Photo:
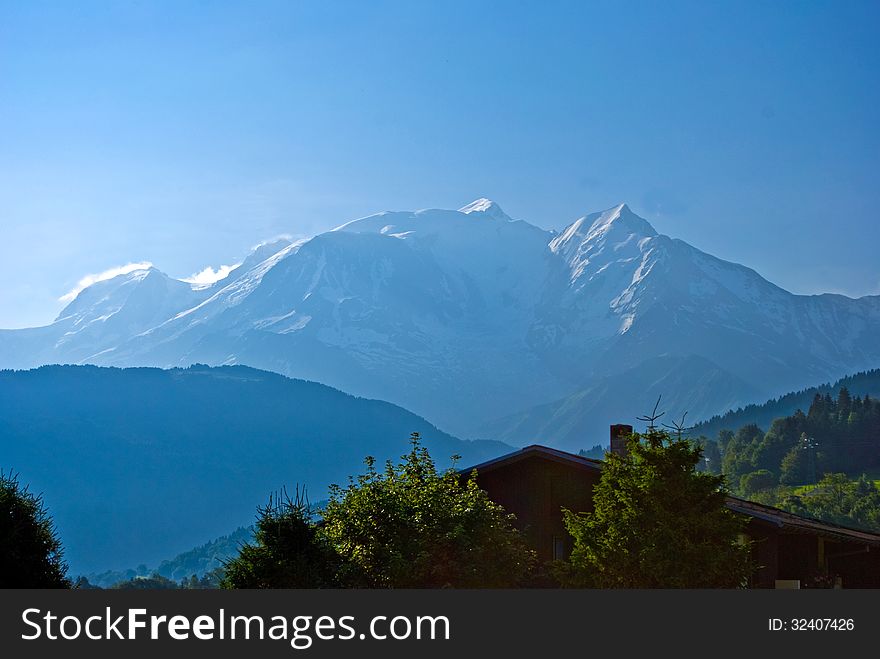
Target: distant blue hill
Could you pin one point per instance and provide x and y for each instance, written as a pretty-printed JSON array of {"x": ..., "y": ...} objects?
[
  {"x": 197, "y": 561},
  {"x": 140, "y": 464}
]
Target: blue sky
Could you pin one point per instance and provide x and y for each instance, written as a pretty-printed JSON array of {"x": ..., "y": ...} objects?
[{"x": 182, "y": 133}]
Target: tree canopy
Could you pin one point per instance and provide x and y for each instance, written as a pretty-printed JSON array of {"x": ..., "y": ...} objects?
[
  {"x": 410, "y": 526},
  {"x": 837, "y": 498},
  {"x": 31, "y": 555},
  {"x": 657, "y": 522},
  {"x": 804, "y": 456},
  {"x": 839, "y": 434}
]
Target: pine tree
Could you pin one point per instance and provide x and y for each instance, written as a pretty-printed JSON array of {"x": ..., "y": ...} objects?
[
  {"x": 288, "y": 551},
  {"x": 657, "y": 523},
  {"x": 31, "y": 555},
  {"x": 844, "y": 403}
]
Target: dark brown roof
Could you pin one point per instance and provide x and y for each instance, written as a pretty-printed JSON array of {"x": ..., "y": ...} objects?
[
  {"x": 768, "y": 514},
  {"x": 536, "y": 450},
  {"x": 790, "y": 521}
]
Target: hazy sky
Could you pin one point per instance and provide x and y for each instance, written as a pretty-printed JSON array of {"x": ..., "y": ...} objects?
[{"x": 184, "y": 132}]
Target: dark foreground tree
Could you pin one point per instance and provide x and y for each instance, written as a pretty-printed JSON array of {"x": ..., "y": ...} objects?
[
  {"x": 288, "y": 550},
  {"x": 411, "y": 526},
  {"x": 30, "y": 551},
  {"x": 657, "y": 523}
]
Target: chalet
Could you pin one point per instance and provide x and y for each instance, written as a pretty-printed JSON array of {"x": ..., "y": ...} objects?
[{"x": 536, "y": 482}]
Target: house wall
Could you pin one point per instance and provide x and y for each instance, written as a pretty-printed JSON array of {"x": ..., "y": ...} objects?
[
  {"x": 857, "y": 567},
  {"x": 798, "y": 556},
  {"x": 765, "y": 554},
  {"x": 536, "y": 490}
]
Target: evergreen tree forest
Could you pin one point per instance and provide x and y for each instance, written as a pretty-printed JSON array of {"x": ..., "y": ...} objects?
[{"x": 823, "y": 463}]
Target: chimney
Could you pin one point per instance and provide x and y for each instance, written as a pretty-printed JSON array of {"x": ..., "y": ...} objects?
[{"x": 620, "y": 432}]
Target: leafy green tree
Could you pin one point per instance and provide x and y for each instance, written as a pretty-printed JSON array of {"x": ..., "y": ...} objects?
[
  {"x": 757, "y": 481},
  {"x": 724, "y": 438},
  {"x": 711, "y": 457},
  {"x": 741, "y": 452},
  {"x": 782, "y": 435},
  {"x": 31, "y": 555},
  {"x": 410, "y": 526},
  {"x": 794, "y": 467},
  {"x": 836, "y": 498},
  {"x": 288, "y": 550},
  {"x": 865, "y": 508},
  {"x": 657, "y": 523}
]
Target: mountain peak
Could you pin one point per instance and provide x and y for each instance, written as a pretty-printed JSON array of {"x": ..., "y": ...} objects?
[
  {"x": 483, "y": 205},
  {"x": 619, "y": 216},
  {"x": 617, "y": 224}
]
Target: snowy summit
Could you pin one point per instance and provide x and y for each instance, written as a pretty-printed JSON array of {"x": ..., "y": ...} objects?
[
  {"x": 486, "y": 206},
  {"x": 477, "y": 321}
]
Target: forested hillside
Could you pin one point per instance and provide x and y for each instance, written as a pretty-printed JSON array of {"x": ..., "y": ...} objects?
[
  {"x": 839, "y": 434},
  {"x": 859, "y": 384},
  {"x": 823, "y": 462}
]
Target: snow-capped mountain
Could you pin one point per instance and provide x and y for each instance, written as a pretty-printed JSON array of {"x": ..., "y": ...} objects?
[
  {"x": 101, "y": 317},
  {"x": 469, "y": 316}
]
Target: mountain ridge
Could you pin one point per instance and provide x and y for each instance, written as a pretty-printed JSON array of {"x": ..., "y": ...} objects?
[{"x": 469, "y": 316}]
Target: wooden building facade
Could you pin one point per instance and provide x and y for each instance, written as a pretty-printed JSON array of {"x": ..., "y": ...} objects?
[{"x": 536, "y": 482}]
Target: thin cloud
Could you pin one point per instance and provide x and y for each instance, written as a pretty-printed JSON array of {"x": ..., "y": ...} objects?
[
  {"x": 88, "y": 280},
  {"x": 209, "y": 275},
  {"x": 281, "y": 236}
]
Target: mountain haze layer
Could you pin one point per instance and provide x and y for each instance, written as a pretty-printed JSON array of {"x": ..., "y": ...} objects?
[
  {"x": 137, "y": 465},
  {"x": 481, "y": 323}
]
